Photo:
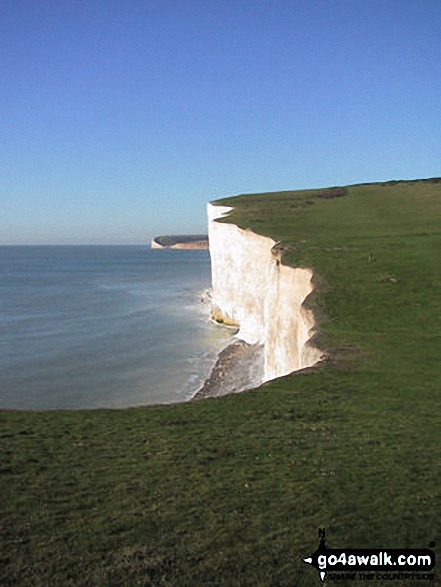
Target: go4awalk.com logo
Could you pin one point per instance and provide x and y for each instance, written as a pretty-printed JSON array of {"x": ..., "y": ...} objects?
[{"x": 371, "y": 563}]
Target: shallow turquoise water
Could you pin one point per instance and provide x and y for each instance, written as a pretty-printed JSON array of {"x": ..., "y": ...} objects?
[{"x": 86, "y": 327}]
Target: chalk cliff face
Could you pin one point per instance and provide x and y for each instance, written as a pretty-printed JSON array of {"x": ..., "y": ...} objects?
[
  {"x": 180, "y": 242},
  {"x": 253, "y": 290}
]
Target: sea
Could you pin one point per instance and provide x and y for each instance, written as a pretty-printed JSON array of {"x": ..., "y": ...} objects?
[{"x": 104, "y": 326}]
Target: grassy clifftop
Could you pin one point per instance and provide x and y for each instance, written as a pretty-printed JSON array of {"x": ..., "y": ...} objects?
[
  {"x": 232, "y": 491},
  {"x": 183, "y": 239},
  {"x": 374, "y": 249}
]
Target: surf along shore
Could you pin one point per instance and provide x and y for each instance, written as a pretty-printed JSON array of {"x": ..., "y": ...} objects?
[{"x": 232, "y": 491}]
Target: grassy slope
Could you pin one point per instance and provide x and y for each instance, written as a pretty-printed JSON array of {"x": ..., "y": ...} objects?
[{"x": 232, "y": 491}]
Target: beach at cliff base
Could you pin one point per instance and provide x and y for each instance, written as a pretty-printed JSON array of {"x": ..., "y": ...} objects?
[{"x": 239, "y": 366}]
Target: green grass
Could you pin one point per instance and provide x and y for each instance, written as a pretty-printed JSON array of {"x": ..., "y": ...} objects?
[{"x": 232, "y": 491}]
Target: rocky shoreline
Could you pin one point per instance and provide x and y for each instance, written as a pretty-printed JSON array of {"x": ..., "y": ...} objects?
[{"x": 239, "y": 366}]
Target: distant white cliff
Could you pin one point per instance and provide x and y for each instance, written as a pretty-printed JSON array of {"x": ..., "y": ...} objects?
[
  {"x": 253, "y": 290},
  {"x": 180, "y": 241}
]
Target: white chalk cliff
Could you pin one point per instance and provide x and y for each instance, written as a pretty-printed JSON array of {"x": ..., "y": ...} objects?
[{"x": 252, "y": 289}]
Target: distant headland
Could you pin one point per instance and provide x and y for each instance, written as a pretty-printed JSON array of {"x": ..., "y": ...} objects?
[{"x": 181, "y": 241}]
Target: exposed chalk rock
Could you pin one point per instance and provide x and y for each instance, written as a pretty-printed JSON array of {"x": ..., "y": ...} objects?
[
  {"x": 252, "y": 289},
  {"x": 183, "y": 241}
]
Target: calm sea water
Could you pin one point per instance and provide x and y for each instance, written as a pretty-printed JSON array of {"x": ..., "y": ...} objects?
[{"x": 87, "y": 327}]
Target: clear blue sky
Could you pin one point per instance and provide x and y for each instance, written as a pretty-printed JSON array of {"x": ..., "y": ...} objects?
[{"x": 120, "y": 119}]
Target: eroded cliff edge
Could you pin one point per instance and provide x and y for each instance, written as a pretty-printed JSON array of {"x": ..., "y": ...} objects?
[{"x": 252, "y": 289}]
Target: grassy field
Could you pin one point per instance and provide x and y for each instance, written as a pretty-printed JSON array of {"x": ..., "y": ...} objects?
[{"x": 232, "y": 490}]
